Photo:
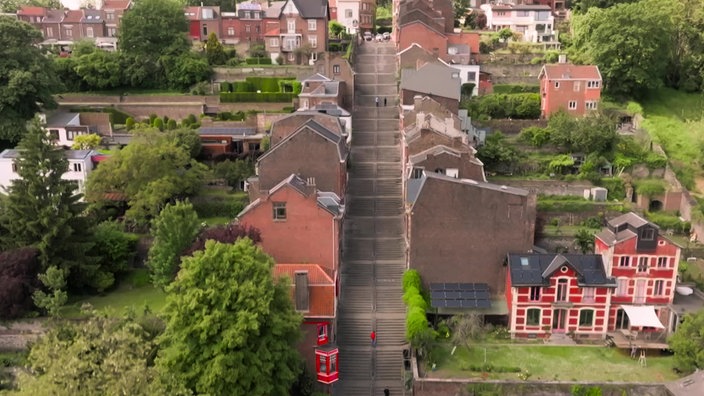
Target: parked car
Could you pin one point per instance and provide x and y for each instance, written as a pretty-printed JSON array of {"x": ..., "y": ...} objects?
[
  {"x": 387, "y": 36},
  {"x": 368, "y": 36},
  {"x": 379, "y": 37}
]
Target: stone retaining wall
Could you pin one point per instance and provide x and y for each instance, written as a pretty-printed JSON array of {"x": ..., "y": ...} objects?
[
  {"x": 461, "y": 387},
  {"x": 240, "y": 73}
]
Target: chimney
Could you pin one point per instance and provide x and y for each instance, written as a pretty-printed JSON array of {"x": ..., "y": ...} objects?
[
  {"x": 301, "y": 290},
  {"x": 562, "y": 58},
  {"x": 417, "y": 101},
  {"x": 310, "y": 182}
]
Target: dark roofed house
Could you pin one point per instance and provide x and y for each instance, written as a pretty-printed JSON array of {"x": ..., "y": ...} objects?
[
  {"x": 461, "y": 229},
  {"x": 289, "y": 124},
  {"x": 318, "y": 89},
  {"x": 436, "y": 80},
  {"x": 299, "y": 22},
  {"x": 313, "y": 152},
  {"x": 557, "y": 293}
]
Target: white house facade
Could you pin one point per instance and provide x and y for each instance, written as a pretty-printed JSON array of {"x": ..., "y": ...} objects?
[
  {"x": 467, "y": 74},
  {"x": 535, "y": 22},
  {"x": 348, "y": 15},
  {"x": 80, "y": 165}
]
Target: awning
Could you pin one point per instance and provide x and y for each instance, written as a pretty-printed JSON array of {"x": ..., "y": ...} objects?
[{"x": 642, "y": 316}]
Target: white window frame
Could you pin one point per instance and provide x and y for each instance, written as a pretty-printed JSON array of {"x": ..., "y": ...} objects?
[
  {"x": 274, "y": 42},
  {"x": 566, "y": 296},
  {"x": 589, "y": 295},
  {"x": 312, "y": 25},
  {"x": 659, "y": 287},
  {"x": 89, "y": 31},
  {"x": 534, "y": 293},
  {"x": 77, "y": 167},
  {"x": 557, "y": 84},
  {"x": 593, "y": 84},
  {"x": 277, "y": 216},
  {"x": 621, "y": 287},
  {"x": 577, "y": 85},
  {"x": 540, "y": 316},
  {"x": 313, "y": 41},
  {"x": 572, "y": 105},
  {"x": 291, "y": 26},
  {"x": 591, "y": 104},
  {"x": 663, "y": 262},
  {"x": 624, "y": 261},
  {"x": 230, "y": 31}
]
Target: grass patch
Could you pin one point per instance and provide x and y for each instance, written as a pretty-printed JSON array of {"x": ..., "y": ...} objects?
[
  {"x": 552, "y": 363},
  {"x": 128, "y": 91},
  {"x": 674, "y": 120},
  {"x": 219, "y": 205},
  {"x": 134, "y": 292},
  {"x": 13, "y": 359}
]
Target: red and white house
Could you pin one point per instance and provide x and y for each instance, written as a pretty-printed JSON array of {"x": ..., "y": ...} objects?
[
  {"x": 625, "y": 290},
  {"x": 575, "y": 89},
  {"x": 556, "y": 293},
  {"x": 643, "y": 263}
]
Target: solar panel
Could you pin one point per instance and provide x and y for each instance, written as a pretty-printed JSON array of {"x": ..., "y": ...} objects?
[{"x": 460, "y": 295}]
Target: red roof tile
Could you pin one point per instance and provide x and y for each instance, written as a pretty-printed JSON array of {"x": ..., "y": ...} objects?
[
  {"x": 321, "y": 287},
  {"x": 32, "y": 11},
  {"x": 566, "y": 71},
  {"x": 273, "y": 32},
  {"x": 73, "y": 16},
  {"x": 116, "y": 4}
]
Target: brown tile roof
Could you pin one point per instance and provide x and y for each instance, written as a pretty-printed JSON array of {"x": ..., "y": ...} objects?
[
  {"x": 321, "y": 299},
  {"x": 116, "y": 4},
  {"x": 73, "y": 16},
  {"x": 31, "y": 11},
  {"x": 566, "y": 71}
]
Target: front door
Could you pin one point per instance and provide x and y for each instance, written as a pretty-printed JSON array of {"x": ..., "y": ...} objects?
[
  {"x": 559, "y": 318},
  {"x": 640, "y": 291}
]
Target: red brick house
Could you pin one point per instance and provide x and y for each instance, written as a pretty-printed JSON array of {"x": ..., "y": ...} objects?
[
  {"x": 114, "y": 10},
  {"x": 71, "y": 25},
  {"x": 32, "y": 15},
  {"x": 202, "y": 21},
  {"x": 247, "y": 24},
  {"x": 92, "y": 23},
  {"x": 575, "y": 89},
  {"x": 447, "y": 161},
  {"x": 289, "y": 124},
  {"x": 335, "y": 65},
  {"x": 460, "y": 230},
  {"x": 312, "y": 152},
  {"x": 314, "y": 294},
  {"x": 318, "y": 89},
  {"x": 555, "y": 293},
  {"x": 644, "y": 264},
  {"x": 301, "y": 23},
  {"x": 308, "y": 220}
]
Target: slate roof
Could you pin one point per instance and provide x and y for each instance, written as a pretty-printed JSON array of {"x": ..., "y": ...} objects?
[
  {"x": 566, "y": 71},
  {"x": 321, "y": 287},
  {"x": 70, "y": 154},
  {"x": 53, "y": 16},
  {"x": 92, "y": 16},
  {"x": 310, "y": 9},
  {"x": 326, "y": 88},
  {"x": 316, "y": 77},
  {"x": 274, "y": 10},
  {"x": 534, "y": 269},
  {"x": 616, "y": 233},
  {"x": 330, "y": 202},
  {"x": 330, "y": 109},
  {"x": 433, "y": 151},
  {"x": 433, "y": 79},
  {"x": 415, "y": 186},
  {"x": 227, "y": 131},
  {"x": 73, "y": 16},
  {"x": 62, "y": 119}
]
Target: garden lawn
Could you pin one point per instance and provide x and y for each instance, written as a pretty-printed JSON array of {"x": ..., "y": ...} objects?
[
  {"x": 674, "y": 120},
  {"x": 553, "y": 363},
  {"x": 133, "y": 292}
]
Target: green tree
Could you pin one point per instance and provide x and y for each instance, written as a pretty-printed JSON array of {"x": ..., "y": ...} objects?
[
  {"x": 496, "y": 153},
  {"x": 154, "y": 28},
  {"x": 54, "y": 281},
  {"x": 225, "y": 5},
  {"x": 629, "y": 42},
  {"x": 214, "y": 50},
  {"x": 116, "y": 248},
  {"x": 86, "y": 142},
  {"x": 100, "y": 355},
  {"x": 173, "y": 231},
  {"x": 585, "y": 240},
  {"x": 582, "y": 6},
  {"x": 187, "y": 69},
  {"x": 234, "y": 172},
  {"x": 153, "y": 169},
  {"x": 99, "y": 69},
  {"x": 688, "y": 343},
  {"x": 27, "y": 78},
  {"x": 230, "y": 327},
  {"x": 336, "y": 28},
  {"x": 43, "y": 210},
  {"x": 650, "y": 188}
]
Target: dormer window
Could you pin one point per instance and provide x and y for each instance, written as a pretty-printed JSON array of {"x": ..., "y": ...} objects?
[{"x": 648, "y": 234}]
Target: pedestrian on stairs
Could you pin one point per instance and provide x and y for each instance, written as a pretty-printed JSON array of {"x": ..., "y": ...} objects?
[
  {"x": 373, "y": 337},
  {"x": 376, "y": 100},
  {"x": 386, "y": 392},
  {"x": 384, "y": 102}
]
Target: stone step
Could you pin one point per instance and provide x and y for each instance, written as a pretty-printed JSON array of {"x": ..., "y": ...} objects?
[
  {"x": 391, "y": 188},
  {"x": 357, "y": 364},
  {"x": 364, "y": 139},
  {"x": 356, "y": 298},
  {"x": 389, "y": 300}
]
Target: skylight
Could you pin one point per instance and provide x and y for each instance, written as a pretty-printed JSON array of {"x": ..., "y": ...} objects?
[{"x": 524, "y": 260}]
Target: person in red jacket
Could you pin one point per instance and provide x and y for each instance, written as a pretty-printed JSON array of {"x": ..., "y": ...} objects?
[{"x": 373, "y": 337}]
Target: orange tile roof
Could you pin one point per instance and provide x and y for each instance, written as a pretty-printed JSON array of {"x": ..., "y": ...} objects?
[
  {"x": 321, "y": 288},
  {"x": 566, "y": 71},
  {"x": 32, "y": 11},
  {"x": 273, "y": 32}
]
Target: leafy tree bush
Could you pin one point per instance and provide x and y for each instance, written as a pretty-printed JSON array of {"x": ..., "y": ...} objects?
[
  {"x": 234, "y": 172},
  {"x": 271, "y": 97},
  {"x": 188, "y": 69},
  {"x": 18, "y": 281},
  {"x": 585, "y": 240},
  {"x": 171, "y": 125},
  {"x": 258, "y": 61},
  {"x": 411, "y": 278},
  {"x": 229, "y": 233},
  {"x": 467, "y": 328},
  {"x": 86, "y": 142},
  {"x": 214, "y": 50},
  {"x": 496, "y": 153},
  {"x": 688, "y": 343},
  {"x": 231, "y": 288},
  {"x": 174, "y": 230},
  {"x": 116, "y": 248},
  {"x": 515, "y": 88},
  {"x": 518, "y": 106},
  {"x": 650, "y": 187}
]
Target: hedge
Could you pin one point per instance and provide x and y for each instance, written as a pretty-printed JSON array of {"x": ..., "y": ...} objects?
[
  {"x": 266, "y": 84},
  {"x": 270, "y": 97},
  {"x": 258, "y": 61},
  {"x": 225, "y": 87},
  {"x": 515, "y": 88}
]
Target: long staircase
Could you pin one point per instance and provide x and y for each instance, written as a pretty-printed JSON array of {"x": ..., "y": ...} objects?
[{"x": 373, "y": 258}]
